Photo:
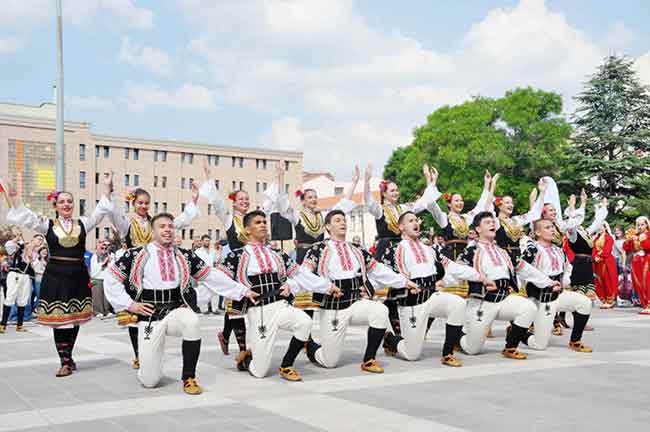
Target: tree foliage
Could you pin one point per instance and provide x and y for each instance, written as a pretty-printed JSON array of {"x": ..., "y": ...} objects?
[
  {"x": 522, "y": 136},
  {"x": 612, "y": 137}
]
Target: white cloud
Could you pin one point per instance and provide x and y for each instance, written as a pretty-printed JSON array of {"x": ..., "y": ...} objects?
[
  {"x": 153, "y": 59},
  {"x": 618, "y": 37},
  {"x": 141, "y": 96},
  {"x": 642, "y": 67},
  {"x": 323, "y": 61},
  {"x": 23, "y": 16},
  {"x": 90, "y": 103},
  {"x": 9, "y": 45}
]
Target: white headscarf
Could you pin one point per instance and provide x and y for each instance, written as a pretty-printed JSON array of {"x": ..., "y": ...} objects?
[{"x": 552, "y": 196}]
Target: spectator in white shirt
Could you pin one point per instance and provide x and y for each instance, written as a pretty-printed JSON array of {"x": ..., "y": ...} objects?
[{"x": 99, "y": 264}]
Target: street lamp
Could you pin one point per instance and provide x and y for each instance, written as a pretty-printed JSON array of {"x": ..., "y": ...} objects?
[{"x": 60, "y": 150}]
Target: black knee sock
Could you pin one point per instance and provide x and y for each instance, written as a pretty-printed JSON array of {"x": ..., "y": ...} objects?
[
  {"x": 393, "y": 316},
  {"x": 430, "y": 322},
  {"x": 579, "y": 323},
  {"x": 62, "y": 339},
  {"x": 375, "y": 336},
  {"x": 292, "y": 352},
  {"x": 452, "y": 337},
  {"x": 239, "y": 328},
  {"x": 515, "y": 335},
  {"x": 312, "y": 347},
  {"x": 528, "y": 334},
  {"x": 20, "y": 315},
  {"x": 6, "y": 310},
  {"x": 133, "y": 335},
  {"x": 191, "y": 351},
  {"x": 391, "y": 340},
  {"x": 227, "y": 327}
]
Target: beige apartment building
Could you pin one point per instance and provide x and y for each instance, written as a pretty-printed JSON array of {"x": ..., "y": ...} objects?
[{"x": 164, "y": 168}]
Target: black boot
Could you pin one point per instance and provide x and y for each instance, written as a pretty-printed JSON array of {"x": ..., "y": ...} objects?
[
  {"x": 133, "y": 335},
  {"x": 239, "y": 328},
  {"x": 579, "y": 324},
  {"x": 6, "y": 310},
  {"x": 292, "y": 352},
  {"x": 452, "y": 338},
  {"x": 312, "y": 347},
  {"x": 393, "y": 316},
  {"x": 390, "y": 343}
]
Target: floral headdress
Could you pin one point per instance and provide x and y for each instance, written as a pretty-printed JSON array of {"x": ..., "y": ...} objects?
[
  {"x": 383, "y": 185},
  {"x": 53, "y": 196},
  {"x": 446, "y": 196},
  {"x": 232, "y": 196},
  {"x": 498, "y": 201}
]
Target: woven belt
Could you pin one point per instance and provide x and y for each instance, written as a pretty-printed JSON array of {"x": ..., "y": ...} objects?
[{"x": 68, "y": 259}]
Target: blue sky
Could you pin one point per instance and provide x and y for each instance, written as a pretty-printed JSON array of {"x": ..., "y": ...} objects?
[{"x": 344, "y": 81}]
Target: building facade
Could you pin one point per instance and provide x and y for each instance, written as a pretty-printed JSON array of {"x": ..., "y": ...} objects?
[{"x": 164, "y": 168}]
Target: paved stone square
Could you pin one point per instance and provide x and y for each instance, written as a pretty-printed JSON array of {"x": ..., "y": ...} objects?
[{"x": 557, "y": 389}]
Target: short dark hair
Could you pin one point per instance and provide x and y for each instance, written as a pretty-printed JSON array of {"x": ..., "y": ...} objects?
[
  {"x": 140, "y": 191},
  {"x": 251, "y": 215},
  {"x": 205, "y": 236},
  {"x": 162, "y": 216},
  {"x": 403, "y": 215},
  {"x": 331, "y": 214},
  {"x": 479, "y": 218}
]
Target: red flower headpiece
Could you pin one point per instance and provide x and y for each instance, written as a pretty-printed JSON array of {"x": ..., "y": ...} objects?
[
  {"x": 299, "y": 193},
  {"x": 446, "y": 196},
  {"x": 232, "y": 196},
  {"x": 130, "y": 196},
  {"x": 498, "y": 201},
  {"x": 383, "y": 185},
  {"x": 52, "y": 196}
]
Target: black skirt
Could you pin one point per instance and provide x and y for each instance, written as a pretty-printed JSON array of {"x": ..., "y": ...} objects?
[
  {"x": 66, "y": 295},
  {"x": 582, "y": 275}
]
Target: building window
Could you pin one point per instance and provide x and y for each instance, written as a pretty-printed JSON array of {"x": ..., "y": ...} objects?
[
  {"x": 164, "y": 182},
  {"x": 164, "y": 207},
  {"x": 127, "y": 206},
  {"x": 216, "y": 184},
  {"x": 136, "y": 180},
  {"x": 82, "y": 152},
  {"x": 107, "y": 152},
  {"x": 210, "y": 233},
  {"x": 257, "y": 163},
  {"x": 183, "y": 234},
  {"x": 182, "y": 207},
  {"x": 241, "y": 162},
  {"x": 159, "y": 156},
  {"x": 189, "y": 184},
  {"x": 182, "y": 182},
  {"x": 136, "y": 154},
  {"x": 241, "y": 186},
  {"x": 286, "y": 165},
  {"x": 209, "y": 209},
  {"x": 187, "y": 157},
  {"x": 96, "y": 151},
  {"x": 265, "y": 186},
  {"x": 97, "y": 233},
  {"x": 107, "y": 232},
  {"x": 155, "y": 207},
  {"x": 234, "y": 185},
  {"x": 257, "y": 187},
  {"x": 127, "y": 179},
  {"x": 191, "y": 233},
  {"x": 126, "y": 153},
  {"x": 82, "y": 179},
  {"x": 82, "y": 207},
  {"x": 217, "y": 234},
  {"x": 213, "y": 160},
  {"x": 155, "y": 181},
  {"x": 338, "y": 190},
  {"x": 96, "y": 178},
  {"x": 234, "y": 161},
  {"x": 286, "y": 188}
]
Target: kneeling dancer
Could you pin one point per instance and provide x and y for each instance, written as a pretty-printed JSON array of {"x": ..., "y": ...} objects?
[
  {"x": 425, "y": 267},
  {"x": 153, "y": 282},
  {"x": 490, "y": 291},
  {"x": 349, "y": 268},
  {"x": 552, "y": 261},
  {"x": 274, "y": 277}
]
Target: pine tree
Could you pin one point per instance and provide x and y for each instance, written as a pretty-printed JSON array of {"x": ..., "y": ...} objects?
[{"x": 612, "y": 136}]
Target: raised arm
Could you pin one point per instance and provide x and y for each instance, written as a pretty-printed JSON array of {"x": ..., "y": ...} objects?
[
  {"x": 346, "y": 204},
  {"x": 599, "y": 217},
  {"x": 430, "y": 194},
  {"x": 536, "y": 207},
  {"x": 485, "y": 201},
  {"x": 20, "y": 215},
  {"x": 191, "y": 210},
  {"x": 209, "y": 191},
  {"x": 373, "y": 206}
]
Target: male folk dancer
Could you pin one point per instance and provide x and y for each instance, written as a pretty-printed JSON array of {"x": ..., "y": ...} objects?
[
  {"x": 425, "y": 267},
  {"x": 490, "y": 287},
  {"x": 349, "y": 268},
  {"x": 273, "y": 277},
  {"x": 153, "y": 282},
  {"x": 19, "y": 284},
  {"x": 551, "y": 261}
]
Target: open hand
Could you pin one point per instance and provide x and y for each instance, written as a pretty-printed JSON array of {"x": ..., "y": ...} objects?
[{"x": 144, "y": 309}]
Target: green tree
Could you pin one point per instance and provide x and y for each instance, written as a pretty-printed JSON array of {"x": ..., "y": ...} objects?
[
  {"x": 612, "y": 137},
  {"x": 522, "y": 136}
]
